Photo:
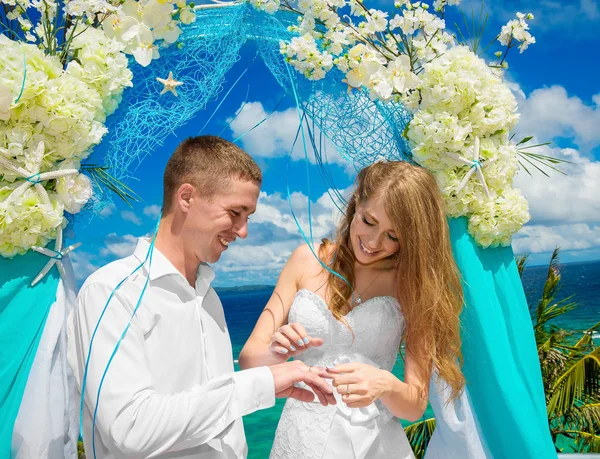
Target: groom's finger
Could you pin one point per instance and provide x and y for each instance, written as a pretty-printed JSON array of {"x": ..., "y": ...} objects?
[
  {"x": 311, "y": 378},
  {"x": 320, "y": 371},
  {"x": 302, "y": 394},
  {"x": 325, "y": 399}
]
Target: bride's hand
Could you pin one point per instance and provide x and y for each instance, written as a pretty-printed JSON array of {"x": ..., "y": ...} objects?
[
  {"x": 292, "y": 340},
  {"x": 360, "y": 384}
]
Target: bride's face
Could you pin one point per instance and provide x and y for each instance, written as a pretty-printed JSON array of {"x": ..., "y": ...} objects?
[{"x": 372, "y": 235}]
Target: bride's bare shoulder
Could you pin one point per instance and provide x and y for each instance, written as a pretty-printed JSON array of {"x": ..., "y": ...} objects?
[{"x": 312, "y": 254}]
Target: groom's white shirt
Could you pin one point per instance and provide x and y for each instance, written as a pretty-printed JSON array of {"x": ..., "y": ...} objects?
[{"x": 171, "y": 390}]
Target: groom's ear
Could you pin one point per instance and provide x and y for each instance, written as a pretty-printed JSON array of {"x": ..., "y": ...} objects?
[{"x": 184, "y": 196}]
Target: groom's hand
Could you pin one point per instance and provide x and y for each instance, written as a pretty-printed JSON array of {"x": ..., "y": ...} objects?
[{"x": 286, "y": 375}]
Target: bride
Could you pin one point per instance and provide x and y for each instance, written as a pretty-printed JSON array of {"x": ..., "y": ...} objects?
[{"x": 389, "y": 279}]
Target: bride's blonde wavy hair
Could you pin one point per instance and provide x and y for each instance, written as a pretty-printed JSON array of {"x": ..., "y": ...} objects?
[{"x": 428, "y": 281}]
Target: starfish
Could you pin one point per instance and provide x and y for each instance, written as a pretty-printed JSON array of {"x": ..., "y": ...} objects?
[
  {"x": 476, "y": 167},
  {"x": 55, "y": 255},
  {"x": 170, "y": 84},
  {"x": 33, "y": 177}
]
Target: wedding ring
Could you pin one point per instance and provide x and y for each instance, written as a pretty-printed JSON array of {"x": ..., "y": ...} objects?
[
  {"x": 348, "y": 389},
  {"x": 310, "y": 369}
]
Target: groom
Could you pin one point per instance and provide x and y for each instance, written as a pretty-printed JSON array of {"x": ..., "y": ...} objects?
[{"x": 170, "y": 390}]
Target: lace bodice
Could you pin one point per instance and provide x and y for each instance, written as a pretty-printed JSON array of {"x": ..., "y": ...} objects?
[
  {"x": 373, "y": 337},
  {"x": 376, "y": 327}
]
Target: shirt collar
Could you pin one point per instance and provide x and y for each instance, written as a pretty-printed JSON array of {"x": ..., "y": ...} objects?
[{"x": 161, "y": 266}]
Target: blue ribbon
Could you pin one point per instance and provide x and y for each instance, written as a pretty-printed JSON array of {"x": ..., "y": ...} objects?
[
  {"x": 301, "y": 115},
  {"x": 34, "y": 179},
  {"x": 24, "y": 78}
]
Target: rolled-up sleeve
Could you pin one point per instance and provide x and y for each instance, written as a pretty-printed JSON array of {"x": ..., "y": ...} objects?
[{"x": 132, "y": 418}]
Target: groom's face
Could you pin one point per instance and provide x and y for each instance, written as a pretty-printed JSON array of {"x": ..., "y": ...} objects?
[{"x": 214, "y": 224}]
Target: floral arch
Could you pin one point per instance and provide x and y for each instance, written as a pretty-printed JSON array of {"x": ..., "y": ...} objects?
[{"x": 377, "y": 87}]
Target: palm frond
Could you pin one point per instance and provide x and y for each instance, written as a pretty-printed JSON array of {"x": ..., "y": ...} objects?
[
  {"x": 104, "y": 179},
  {"x": 522, "y": 263},
  {"x": 588, "y": 337},
  {"x": 585, "y": 417},
  {"x": 586, "y": 442},
  {"x": 419, "y": 434},
  {"x": 581, "y": 379}
]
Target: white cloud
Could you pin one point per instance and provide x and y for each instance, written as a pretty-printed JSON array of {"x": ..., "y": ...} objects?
[
  {"x": 569, "y": 237},
  {"x": 83, "y": 264},
  {"x": 152, "y": 211},
  {"x": 551, "y": 113},
  {"x": 275, "y": 136},
  {"x": 108, "y": 210},
  {"x": 575, "y": 18},
  {"x": 565, "y": 209},
  {"x": 130, "y": 216},
  {"x": 571, "y": 198},
  {"x": 119, "y": 246},
  {"x": 273, "y": 235}
]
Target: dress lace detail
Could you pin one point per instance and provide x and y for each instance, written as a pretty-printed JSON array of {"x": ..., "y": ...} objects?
[{"x": 374, "y": 335}]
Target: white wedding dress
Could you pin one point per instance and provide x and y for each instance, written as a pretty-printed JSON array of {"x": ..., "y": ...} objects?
[{"x": 313, "y": 431}]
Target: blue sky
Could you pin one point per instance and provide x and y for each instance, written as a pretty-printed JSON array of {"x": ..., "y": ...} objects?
[{"x": 556, "y": 84}]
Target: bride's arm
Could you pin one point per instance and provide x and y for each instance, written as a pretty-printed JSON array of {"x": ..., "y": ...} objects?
[
  {"x": 256, "y": 351},
  {"x": 407, "y": 399}
]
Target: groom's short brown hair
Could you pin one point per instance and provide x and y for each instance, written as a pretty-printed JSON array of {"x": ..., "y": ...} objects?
[{"x": 208, "y": 163}]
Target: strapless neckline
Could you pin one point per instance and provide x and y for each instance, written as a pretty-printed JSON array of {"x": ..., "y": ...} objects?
[{"x": 321, "y": 302}]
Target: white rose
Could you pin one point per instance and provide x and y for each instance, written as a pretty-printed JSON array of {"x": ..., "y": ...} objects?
[{"x": 74, "y": 191}]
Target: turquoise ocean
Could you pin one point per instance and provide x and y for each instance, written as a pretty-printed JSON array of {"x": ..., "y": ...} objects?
[{"x": 244, "y": 305}]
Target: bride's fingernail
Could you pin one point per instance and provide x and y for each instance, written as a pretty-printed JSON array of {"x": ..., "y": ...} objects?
[
  {"x": 283, "y": 351},
  {"x": 306, "y": 340},
  {"x": 292, "y": 348},
  {"x": 300, "y": 342}
]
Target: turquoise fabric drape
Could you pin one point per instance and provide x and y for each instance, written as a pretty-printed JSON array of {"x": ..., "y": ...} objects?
[
  {"x": 500, "y": 357},
  {"x": 23, "y": 313}
]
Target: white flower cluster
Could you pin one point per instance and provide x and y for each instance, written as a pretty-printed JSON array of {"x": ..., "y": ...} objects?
[
  {"x": 270, "y": 6},
  {"x": 439, "y": 5},
  {"x": 141, "y": 26},
  {"x": 517, "y": 29},
  {"x": 463, "y": 112},
  {"x": 64, "y": 109},
  {"x": 461, "y": 100},
  {"x": 365, "y": 67},
  {"x": 303, "y": 53}
]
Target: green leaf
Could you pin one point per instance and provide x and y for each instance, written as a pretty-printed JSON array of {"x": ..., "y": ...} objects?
[
  {"x": 105, "y": 180},
  {"x": 581, "y": 379},
  {"x": 525, "y": 140},
  {"x": 419, "y": 434}
]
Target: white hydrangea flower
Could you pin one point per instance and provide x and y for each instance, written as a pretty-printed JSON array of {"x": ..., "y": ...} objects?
[
  {"x": 6, "y": 99},
  {"x": 26, "y": 221},
  {"x": 460, "y": 99}
]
